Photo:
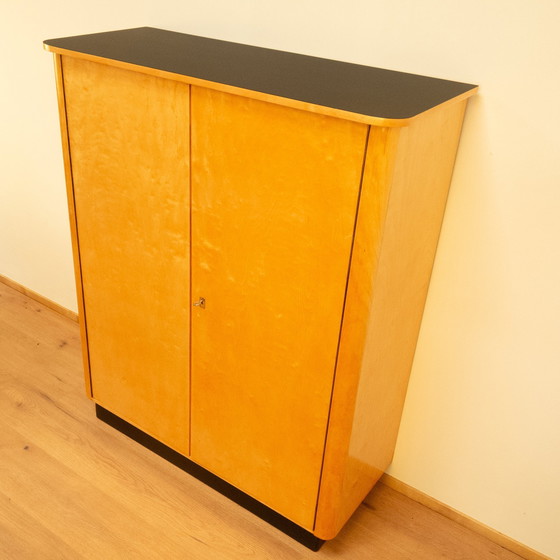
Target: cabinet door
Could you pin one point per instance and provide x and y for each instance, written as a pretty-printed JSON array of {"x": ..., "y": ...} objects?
[
  {"x": 129, "y": 149},
  {"x": 274, "y": 198}
]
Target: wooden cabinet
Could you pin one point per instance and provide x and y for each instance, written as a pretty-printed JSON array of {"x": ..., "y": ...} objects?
[{"x": 253, "y": 235}]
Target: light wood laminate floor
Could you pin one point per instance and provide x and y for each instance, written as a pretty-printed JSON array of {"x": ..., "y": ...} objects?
[{"x": 73, "y": 488}]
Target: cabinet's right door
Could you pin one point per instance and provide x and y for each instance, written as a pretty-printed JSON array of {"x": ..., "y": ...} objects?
[{"x": 274, "y": 198}]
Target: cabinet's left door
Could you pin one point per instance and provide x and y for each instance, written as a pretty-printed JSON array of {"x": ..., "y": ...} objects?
[{"x": 129, "y": 156}]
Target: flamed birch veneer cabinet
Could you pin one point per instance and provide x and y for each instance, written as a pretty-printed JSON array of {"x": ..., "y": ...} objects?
[{"x": 253, "y": 234}]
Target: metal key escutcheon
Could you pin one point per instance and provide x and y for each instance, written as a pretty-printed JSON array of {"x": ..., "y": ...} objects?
[{"x": 200, "y": 303}]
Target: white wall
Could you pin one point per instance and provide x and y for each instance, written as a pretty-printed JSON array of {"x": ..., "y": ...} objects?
[{"x": 481, "y": 429}]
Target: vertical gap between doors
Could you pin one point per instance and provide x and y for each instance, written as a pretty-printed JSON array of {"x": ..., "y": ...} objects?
[{"x": 190, "y": 272}]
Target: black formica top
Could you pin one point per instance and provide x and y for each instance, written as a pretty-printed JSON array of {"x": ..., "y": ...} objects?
[{"x": 373, "y": 92}]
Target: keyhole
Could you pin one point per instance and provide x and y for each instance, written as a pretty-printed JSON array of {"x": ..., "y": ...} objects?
[{"x": 200, "y": 303}]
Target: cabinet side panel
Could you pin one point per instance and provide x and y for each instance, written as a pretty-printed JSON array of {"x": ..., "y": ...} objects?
[
  {"x": 129, "y": 146},
  {"x": 72, "y": 217},
  {"x": 423, "y": 166},
  {"x": 275, "y": 193}
]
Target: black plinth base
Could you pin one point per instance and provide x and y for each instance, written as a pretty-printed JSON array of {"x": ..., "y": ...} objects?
[{"x": 254, "y": 506}]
